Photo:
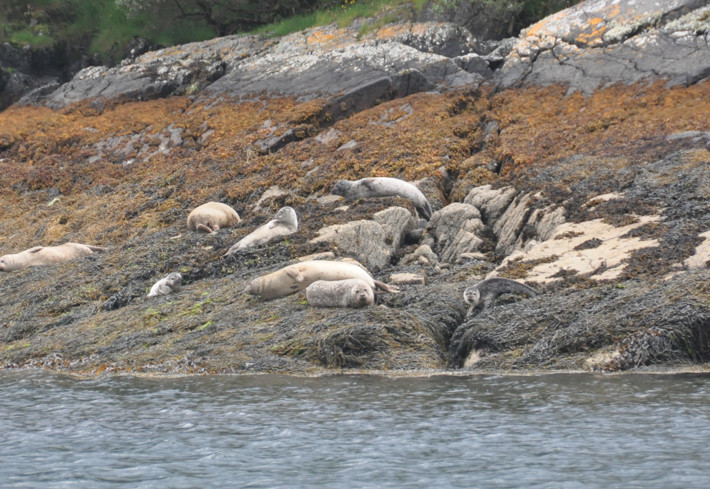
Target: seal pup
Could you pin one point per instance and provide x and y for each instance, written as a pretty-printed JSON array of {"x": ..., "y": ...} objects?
[
  {"x": 210, "y": 217},
  {"x": 352, "y": 292},
  {"x": 46, "y": 255},
  {"x": 367, "y": 188},
  {"x": 284, "y": 223},
  {"x": 172, "y": 282},
  {"x": 486, "y": 291},
  {"x": 296, "y": 277}
]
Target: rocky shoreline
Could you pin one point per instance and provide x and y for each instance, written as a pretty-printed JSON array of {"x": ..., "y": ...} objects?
[{"x": 575, "y": 158}]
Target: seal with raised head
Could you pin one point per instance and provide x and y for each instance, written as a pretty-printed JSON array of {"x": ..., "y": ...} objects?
[
  {"x": 284, "y": 223},
  {"x": 486, "y": 291},
  {"x": 212, "y": 216},
  {"x": 352, "y": 292},
  {"x": 172, "y": 282},
  {"x": 367, "y": 188},
  {"x": 46, "y": 255},
  {"x": 296, "y": 277}
]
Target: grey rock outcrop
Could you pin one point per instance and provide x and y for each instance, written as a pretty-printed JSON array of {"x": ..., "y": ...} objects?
[
  {"x": 456, "y": 229},
  {"x": 312, "y": 63},
  {"x": 372, "y": 242},
  {"x": 597, "y": 43}
]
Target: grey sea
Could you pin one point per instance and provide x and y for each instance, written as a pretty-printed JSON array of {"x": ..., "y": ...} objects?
[{"x": 352, "y": 431}]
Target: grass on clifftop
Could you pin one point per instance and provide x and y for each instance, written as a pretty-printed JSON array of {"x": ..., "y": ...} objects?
[{"x": 103, "y": 28}]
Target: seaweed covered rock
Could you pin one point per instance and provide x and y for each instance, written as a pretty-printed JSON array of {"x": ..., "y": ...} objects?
[
  {"x": 599, "y": 200},
  {"x": 617, "y": 327}
]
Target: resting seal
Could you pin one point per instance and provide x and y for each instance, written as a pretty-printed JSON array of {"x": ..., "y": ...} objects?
[
  {"x": 367, "y": 188},
  {"x": 296, "y": 277},
  {"x": 212, "y": 216},
  {"x": 284, "y": 223},
  {"x": 170, "y": 283},
  {"x": 352, "y": 292},
  {"x": 485, "y": 292},
  {"x": 45, "y": 255}
]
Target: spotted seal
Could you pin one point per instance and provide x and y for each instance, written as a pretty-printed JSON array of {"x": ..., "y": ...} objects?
[
  {"x": 296, "y": 277},
  {"x": 352, "y": 292},
  {"x": 367, "y": 188},
  {"x": 172, "y": 282},
  {"x": 285, "y": 222},
  {"x": 486, "y": 291}
]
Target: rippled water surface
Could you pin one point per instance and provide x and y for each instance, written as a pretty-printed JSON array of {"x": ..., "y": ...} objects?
[{"x": 355, "y": 431}]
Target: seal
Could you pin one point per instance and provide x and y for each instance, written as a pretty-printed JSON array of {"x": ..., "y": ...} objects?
[
  {"x": 352, "y": 292},
  {"x": 284, "y": 223},
  {"x": 485, "y": 292},
  {"x": 46, "y": 255},
  {"x": 210, "y": 217},
  {"x": 296, "y": 277},
  {"x": 172, "y": 282},
  {"x": 367, "y": 188}
]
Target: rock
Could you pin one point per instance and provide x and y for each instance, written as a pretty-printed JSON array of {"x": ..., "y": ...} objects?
[
  {"x": 267, "y": 198},
  {"x": 371, "y": 242},
  {"x": 601, "y": 42},
  {"x": 456, "y": 228},
  {"x": 491, "y": 203},
  {"x": 407, "y": 279},
  {"x": 564, "y": 251},
  {"x": 423, "y": 255},
  {"x": 507, "y": 228}
]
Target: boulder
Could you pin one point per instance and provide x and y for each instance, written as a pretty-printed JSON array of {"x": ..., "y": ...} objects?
[
  {"x": 372, "y": 242},
  {"x": 600, "y": 42},
  {"x": 456, "y": 228}
]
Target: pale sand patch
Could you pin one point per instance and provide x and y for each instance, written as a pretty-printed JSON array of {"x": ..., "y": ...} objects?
[
  {"x": 612, "y": 253},
  {"x": 473, "y": 358},
  {"x": 601, "y": 358},
  {"x": 702, "y": 254}
]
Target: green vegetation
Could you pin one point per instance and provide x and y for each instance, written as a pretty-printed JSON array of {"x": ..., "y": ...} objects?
[{"x": 103, "y": 28}]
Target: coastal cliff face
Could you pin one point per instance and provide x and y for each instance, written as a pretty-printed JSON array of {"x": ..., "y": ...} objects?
[{"x": 574, "y": 158}]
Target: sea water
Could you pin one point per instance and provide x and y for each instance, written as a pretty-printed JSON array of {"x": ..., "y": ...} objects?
[{"x": 355, "y": 431}]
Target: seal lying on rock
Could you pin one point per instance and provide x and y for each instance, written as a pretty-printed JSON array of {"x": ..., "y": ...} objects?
[
  {"x": 367, "y": 188},
  {"x": 284, "y": 223},
  {"x": 212, "y": 216},
  {"x": 296, "y": 277},
  {"x": 353, "y": 293},
  {"x": 485, "y": 292},
  {"x": 171, "y": 283},
  {"x": 45, "y": 255}
]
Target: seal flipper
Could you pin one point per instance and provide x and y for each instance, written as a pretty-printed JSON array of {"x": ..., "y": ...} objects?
[
  {"x": 387, "y": 288},
  {"x": 97, "y": 248},
  {"x": 35, "y": 249},
  {"x": 296, "y": 275},
  {"x": 204, "y": 228}
]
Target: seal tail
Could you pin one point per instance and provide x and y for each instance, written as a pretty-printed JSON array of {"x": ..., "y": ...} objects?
[{"x": 97, "y": 248}]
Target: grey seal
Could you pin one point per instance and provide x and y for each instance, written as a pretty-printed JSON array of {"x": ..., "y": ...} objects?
[
  {"x": 296, "y": 277},
  {"x": 352, "y": 292},
  {"x": 212, "y": 216},
  {"x": 367, "y": 188},
  {"x": 46, "y": 255},
  {"x": 170, "y": 283},
  {"x": 486, "y": 291},
  {"x": 285, "y": 222}
]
